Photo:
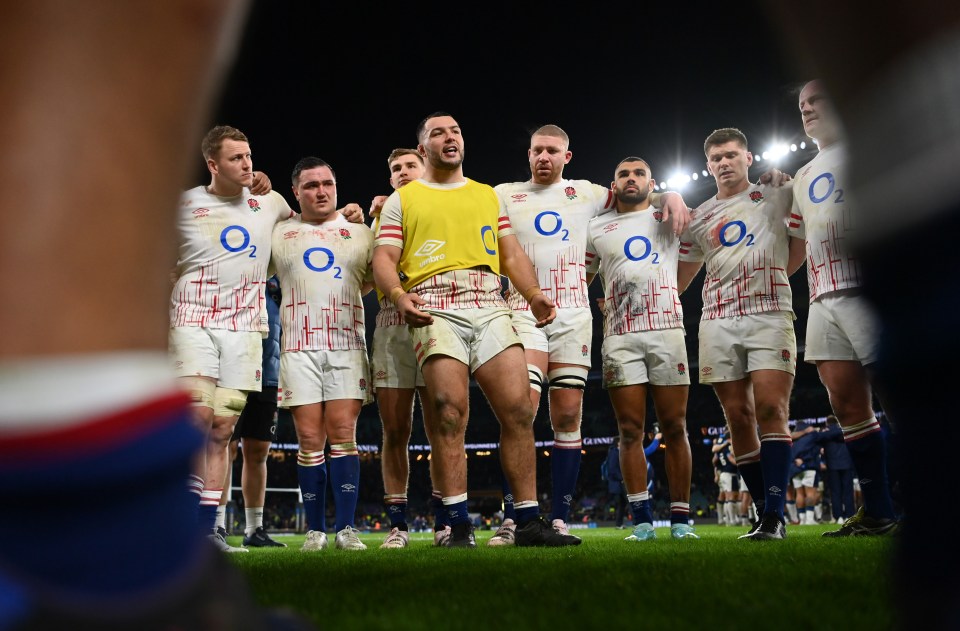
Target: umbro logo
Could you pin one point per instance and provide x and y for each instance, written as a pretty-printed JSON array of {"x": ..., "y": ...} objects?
[
  {"x": 201, "y": 212},
  {"x": 519, "y": 197},
  {"x": 348, "y": 488},
  {"x": 429, "y": 247},
  {"x": 309, "y": 496},
  {"x": 775, "y": 490}
]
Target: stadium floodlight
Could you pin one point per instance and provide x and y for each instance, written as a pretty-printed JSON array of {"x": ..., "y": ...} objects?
[
  {"x": 776, "y": 152},
  {"x": 803, "y": 145},
  {"x": 793, "y": 147},
  {"x": 678, "y": 181},
  {"x": 705, "y": 173},
  {"x": 694, "y": 176},
  {"x": 758, "y": 157}
]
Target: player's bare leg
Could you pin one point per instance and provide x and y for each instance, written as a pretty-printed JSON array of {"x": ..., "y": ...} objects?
[
  {"x": 670, "y": 403},
  {"x": 848, "y": 385},
  {"x": 566, "y": 411},
  {"x": 630, "y": 407}
]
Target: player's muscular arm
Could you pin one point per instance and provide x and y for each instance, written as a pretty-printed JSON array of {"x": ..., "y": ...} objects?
[
  {"x": 674, "y": 209},
  {"x": 775, "y": 178},
  {"x": 352, "y": 213},
  {"x": 797, "y": 256},
  {"x": 377, "y": 205},
  {"x": 686, "y": 271},
  {"x": 518, "y": 268},
  {"x": 385, "y": 259},
  {"x": 261, "y": 183}
]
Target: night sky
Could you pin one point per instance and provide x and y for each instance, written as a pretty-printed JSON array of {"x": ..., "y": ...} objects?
[{"x": 349, "y": 82}]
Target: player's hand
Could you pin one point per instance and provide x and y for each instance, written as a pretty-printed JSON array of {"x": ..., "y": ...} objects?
[
  {"x": 675, "y": 209},
  {"x": 261, "y": 183},
  {"x": 543, "y": 310},
  {"x": 798, "y": 462},
  {"x": 408, "y": 308},
  {"x": 377, "y": 205},
  {"x": 657, "y": 436},
  {"x": 775, "y": 178},
  {"x": 352, "y": 213}
]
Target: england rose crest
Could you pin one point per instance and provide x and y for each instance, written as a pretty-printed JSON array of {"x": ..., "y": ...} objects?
[
  {"x": 253, "y": 204},
  {"x": 570, "y": 192},
  {"x": 344, "y": 233},
  {"x": 756, "y": 197}
]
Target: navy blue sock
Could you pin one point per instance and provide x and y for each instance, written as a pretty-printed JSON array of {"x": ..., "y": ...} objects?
[
  {"x": 509, "y": 512},
  {"x": 345, "y": 482},
  {"x": 457, "y": 512},
  {"x": 565, "y": 468},
  {"x": 397, "y": 509},
  {"x": 440, "y": 517},
  {"x": 312, "y": 475},
  {"x": 775, "y": 462},
  {"x": 640, "y": 507},
  {"x": 752, "y": 476},
  {"x": 869, "y": 454},
  {"x": 526, "y": 512},
  {"x": 142, "y": 455}
]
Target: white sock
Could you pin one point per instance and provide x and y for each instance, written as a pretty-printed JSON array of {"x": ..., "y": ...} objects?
[
  {"x": 221, "y": 517},
  {"x": 254, "y": 517}
]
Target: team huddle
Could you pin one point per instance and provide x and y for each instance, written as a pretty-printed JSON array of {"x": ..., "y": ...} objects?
[{"x": 437, "y": 253}]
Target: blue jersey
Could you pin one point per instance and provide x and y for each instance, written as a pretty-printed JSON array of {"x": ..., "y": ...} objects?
[{"x": 271, "y": 343}]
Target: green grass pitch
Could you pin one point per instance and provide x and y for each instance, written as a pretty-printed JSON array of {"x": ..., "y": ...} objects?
[{"x": 718, "y": 582}]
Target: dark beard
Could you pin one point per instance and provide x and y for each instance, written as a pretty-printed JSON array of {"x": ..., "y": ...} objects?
[{"x": 632, "y": 198}]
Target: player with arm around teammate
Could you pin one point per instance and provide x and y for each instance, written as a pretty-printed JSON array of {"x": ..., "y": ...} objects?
[
  {"x": 323, "y": 265},
  {"x": 442, "y": 242},
  {"x": 747, "y": 342},
  {"x": 396, "y": 379},
  {"x": 643, "y": 346},
  {"x": 842, "y": 327},
  {"x": 549, "y": 214}
]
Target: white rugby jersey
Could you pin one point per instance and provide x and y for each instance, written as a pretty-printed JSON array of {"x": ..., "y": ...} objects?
[
  {"x": 322, "y": 268},
  {"x": 387, "y": 315},
  {"x": 551, "y": 223},
  {"x": 636, "y": 255},
  {"x": 822, "y": 214},
  {"x": 744, "y": 241},
  {"x": 223, "y": 258},
  {"x": 470, "y": 288}
]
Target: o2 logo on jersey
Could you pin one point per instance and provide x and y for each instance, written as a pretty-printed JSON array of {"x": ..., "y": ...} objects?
[
  {"x": 732, "y": 233},
  {"x": 826, "y": 189},
  {"x": 639, "y": 251},
  {"x": 549, "y": 223},
  {"x": 313, "y": 256},
  {"x": 484, "y": 231},
  {"x": 227, "y": 235}
]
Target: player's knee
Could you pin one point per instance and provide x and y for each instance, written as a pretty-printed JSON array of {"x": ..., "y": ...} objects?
[
  {"x": 448, "y": 417},
  {"x": 228, "y": 402},
  {"x": 673, "y": 428},
  {"x": 255, "y": 451},
  {"x": 201, "y": 391},
  {"x": 631, "y": 435},
  {"x": 768, "y": 413},
  {"x": 518, "y": 414}
]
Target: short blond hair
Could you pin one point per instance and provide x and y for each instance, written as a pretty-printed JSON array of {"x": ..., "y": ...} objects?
[{"x": 213, "y": 141}]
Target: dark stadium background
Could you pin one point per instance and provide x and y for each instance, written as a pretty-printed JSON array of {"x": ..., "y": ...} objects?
[{"x": 348, "y": 82}]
